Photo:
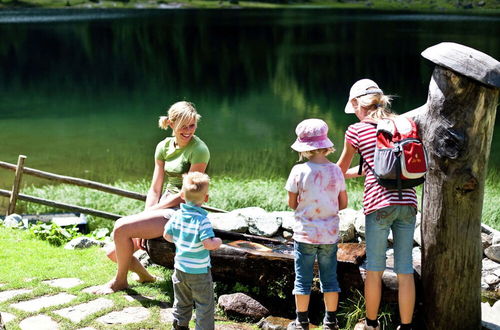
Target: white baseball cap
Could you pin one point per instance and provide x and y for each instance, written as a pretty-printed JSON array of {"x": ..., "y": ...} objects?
[{"x": 360, "y": 88}]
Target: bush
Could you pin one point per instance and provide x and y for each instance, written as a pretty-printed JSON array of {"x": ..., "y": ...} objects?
[{"x": 53, "y": 233}]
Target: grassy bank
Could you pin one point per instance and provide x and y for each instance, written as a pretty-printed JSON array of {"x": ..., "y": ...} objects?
[
  {"x": 449, "y": 6},
  {"x": 225, "y": 193}
]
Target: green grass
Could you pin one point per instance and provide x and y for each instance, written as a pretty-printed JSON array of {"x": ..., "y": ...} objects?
[
  {"x": 225, "y": 193},
  {"x": 26, "y": 262}
]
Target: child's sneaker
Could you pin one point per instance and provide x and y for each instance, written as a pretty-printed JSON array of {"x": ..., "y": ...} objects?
[
  {"x": 296, "y": 325},
  {"x": 175, "y": 326},
  {"x": 363, "y": 326},
  {"x": 369, "y": 327},
  {"x": 330, "y": 326}
]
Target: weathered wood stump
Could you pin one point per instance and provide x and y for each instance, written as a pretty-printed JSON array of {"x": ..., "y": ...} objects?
[{"x": 456, "y": 125}]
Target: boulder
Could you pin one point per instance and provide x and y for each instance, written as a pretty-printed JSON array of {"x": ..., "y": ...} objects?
[
  {"x": 13, "y": 221},
  {"x": 287, "y": 219},
  {"x": 274, "y": 323},
  {"x": 143, "y": 257},
  {"x": 82, "y": 242},
  {"x": 346, "y": 226},
  {"x": 232, "y": 221},
  {"x": 260, "y": 222},
  {"x": 490, "y": 315},
  {"x": 239, "y": 304},
  {"x": 486, "y": 240},
  {"x": 359, "y": 223},
  {"x": 493, "y": 252}
]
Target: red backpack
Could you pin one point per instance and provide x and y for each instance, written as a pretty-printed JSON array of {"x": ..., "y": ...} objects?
[{"x": 400, "y": 160}]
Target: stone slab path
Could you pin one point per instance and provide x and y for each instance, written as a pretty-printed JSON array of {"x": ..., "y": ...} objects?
[{"x": 75, "y": 313}]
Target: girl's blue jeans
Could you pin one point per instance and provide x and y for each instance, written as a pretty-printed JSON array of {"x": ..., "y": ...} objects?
[
  {"x": 305, "y": 255},
  {"x": 401, "y": 220}
]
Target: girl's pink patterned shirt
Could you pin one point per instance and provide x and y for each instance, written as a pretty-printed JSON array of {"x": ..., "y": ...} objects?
[{"x": 318, "y": 187}]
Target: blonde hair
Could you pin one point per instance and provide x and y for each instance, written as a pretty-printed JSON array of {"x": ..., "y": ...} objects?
[
  {"x": 195, "y": 186},
  {"x": 377, "y": 105},
  {"x": 310, "y": 153},
  {"x": 179, "y": 114}
]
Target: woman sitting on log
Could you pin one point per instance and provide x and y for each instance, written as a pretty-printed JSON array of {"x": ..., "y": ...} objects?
[
  {"x": 384, "y": 208},
  {"x": 183, "y": 152}
]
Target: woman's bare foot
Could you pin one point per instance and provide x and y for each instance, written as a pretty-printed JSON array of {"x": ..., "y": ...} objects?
[
  {"x": 111, "y": 287},
  {"x": 145, "y": 279}
]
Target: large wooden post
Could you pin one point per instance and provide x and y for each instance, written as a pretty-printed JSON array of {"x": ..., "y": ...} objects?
[
  {"x": 456, "y": 125},
  {"x": 16, "y": 185}
]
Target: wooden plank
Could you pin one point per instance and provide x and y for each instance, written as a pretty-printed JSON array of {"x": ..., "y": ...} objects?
[
  {"x": 77, "y": 182},
  {"x": 64, "y": 206},
  {"x": 466, "y": 61},
  {"x": 89, "y": 184},
  {"x": 11, "y": 208}
]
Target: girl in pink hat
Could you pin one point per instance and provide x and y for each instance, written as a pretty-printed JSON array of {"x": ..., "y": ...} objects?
[{"x": 316, "y": 191}]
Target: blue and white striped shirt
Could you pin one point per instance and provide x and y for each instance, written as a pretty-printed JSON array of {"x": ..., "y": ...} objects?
[{"x": 189, "y": 226}]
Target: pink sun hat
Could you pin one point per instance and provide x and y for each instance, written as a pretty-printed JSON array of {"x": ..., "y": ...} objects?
[{"x": 311, "y": 135}]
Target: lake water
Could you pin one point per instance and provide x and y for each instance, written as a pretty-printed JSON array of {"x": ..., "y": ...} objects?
[{"x": 81, "y": 91}]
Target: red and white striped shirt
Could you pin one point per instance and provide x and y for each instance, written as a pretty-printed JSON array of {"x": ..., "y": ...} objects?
[{"x": 362, "y": 136}]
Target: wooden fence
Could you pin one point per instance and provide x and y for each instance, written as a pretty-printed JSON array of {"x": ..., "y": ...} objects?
[{"x": 19, "y": 169}]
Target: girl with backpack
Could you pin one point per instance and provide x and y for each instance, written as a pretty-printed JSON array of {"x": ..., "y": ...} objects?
[{"x": 385, "y": 209}]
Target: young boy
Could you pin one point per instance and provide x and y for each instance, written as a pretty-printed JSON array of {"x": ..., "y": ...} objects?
[{"x": 191, "y": 232}]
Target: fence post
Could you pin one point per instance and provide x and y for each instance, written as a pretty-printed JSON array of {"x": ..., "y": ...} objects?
[
  {"x": 15, "y": 187},
  {"x": 456, "y": 127}
]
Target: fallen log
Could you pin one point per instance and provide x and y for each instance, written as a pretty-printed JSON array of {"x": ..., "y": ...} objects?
[{"x": 260, "y": 261}]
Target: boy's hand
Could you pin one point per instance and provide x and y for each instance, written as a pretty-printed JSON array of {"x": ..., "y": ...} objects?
[{"x": 212, "y": 243}]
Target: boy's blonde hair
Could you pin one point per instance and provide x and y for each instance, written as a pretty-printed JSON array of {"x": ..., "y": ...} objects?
[
  {"x": 378, "y": 105},
  {"x": 179, "y": 114},
  {"x": 195, "y": 187},
  {"x": 310, "y": 153}
]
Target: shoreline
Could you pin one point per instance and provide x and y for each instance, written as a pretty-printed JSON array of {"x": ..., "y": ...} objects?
[{"x": 486, "y": 8}]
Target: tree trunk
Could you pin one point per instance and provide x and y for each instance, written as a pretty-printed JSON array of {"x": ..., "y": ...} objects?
[{"x": 456, "y": 126}]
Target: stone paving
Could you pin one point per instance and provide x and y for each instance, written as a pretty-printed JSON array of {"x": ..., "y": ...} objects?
[{"x": 75, "y": 313}]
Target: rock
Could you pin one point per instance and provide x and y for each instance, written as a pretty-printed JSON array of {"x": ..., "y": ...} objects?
[
  {"x": 13, "y": 221},
  {"x": 37, "y": 304},
  {"x": 6, "y": 318},
  {"x": 125, "y": 316},
  {"x": 39, "y": 322},
  {"x": 64, "y": 283},
  {"x": 82, "y": 242},
  {"x": 490, "y": 315},
  {"x": 6, "y": 295},
  {"x": 417, "y": 235},
  {"x": 79, "y": 312},
  {"x": 491, "y": 279},
  {"x": 260, "y": 222},
  {"x": 346, "y": 226},
  {"x": 493, "y": 252},
  {"x": 287, "y": 234},
  {"x": 143, "y": 258},
  {"x": 287, "y": 219},
  {"x": 496, "y": 238},
  {"x": 486, "y": 240},
  {"x": 274, "y": 323},
  {"x": 232, "y": 221},
  {"x": 481, "y": 3},
  {"x": 242, "y": 305},
  {"x": 359, "y": 224},
  {"x": 489, "y": 265}
]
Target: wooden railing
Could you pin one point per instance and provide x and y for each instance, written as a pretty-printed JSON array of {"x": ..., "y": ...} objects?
[{"x": 19, "y": 169}]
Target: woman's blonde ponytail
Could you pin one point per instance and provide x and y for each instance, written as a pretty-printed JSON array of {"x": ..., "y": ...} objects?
[{"x": 163, "y": 122}]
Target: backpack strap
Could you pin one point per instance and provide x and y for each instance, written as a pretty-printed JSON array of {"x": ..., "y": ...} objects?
[{"x": 361, "y": 160}]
